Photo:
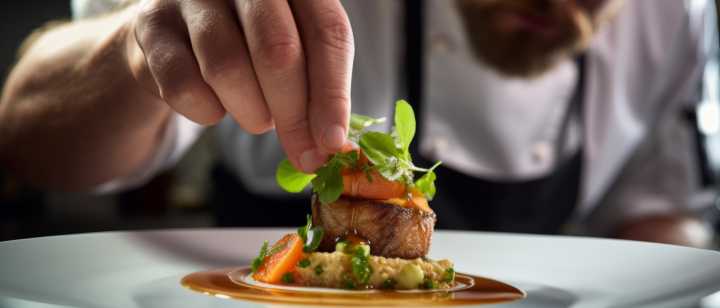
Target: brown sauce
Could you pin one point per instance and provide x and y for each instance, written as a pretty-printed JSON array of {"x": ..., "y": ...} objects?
[{"x": 476, "y": 290}]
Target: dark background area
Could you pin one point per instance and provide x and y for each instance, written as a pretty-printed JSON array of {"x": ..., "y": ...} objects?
[
  {"x": 178, "y": 198},
  {"x": 173, "y": 199},
  {"x": 20, "y": 18}
]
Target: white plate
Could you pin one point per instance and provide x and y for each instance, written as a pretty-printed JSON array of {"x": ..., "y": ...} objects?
[{"x": 143, "y": 269}]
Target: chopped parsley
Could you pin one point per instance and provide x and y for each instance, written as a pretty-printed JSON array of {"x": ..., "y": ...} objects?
[
  {"x": 360, "y": 264},
  {"x": 348, "y": 283},
  {"x": 449, "y": 275},
  {"x": 319, "y": 270},
  {"x": 288, "y": 278},
  {"x": 388, "y": 284},
  {"x": 304, "y": 263},
  {"x": 429, "y": 284}
]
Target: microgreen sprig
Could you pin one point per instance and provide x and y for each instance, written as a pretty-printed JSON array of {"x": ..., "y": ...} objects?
[{"x": 388, "y": 153}]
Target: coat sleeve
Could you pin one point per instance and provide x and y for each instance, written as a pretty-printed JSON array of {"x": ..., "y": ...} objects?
[
  {"x": 179, "y": 133},
  {"x": 662, "y": 174}
]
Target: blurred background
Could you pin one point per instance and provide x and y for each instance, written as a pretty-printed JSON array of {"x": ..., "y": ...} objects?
[
  {"x": 177, "y": 198},
  {"x": 181, "y": 196}
]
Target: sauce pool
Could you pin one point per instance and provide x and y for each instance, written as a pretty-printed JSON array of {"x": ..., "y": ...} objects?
[{"x": 470, "y": 290}]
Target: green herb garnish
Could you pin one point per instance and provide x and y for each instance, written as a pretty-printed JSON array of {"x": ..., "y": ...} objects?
[
  {"x": 449, "y": 275},
  {"x": 277, "y": 248},
  {"x": 319, "y": 270},
  {"x": 288, "y": 278},
  {"x": 428, "y": 284},
  {"x": 311, "y": 236},
  {"x": 360, "y": 264},
  {"x": 348, "y": 283},
  {"x": 388, "y": 284},
  {"x": 259, "y": 259},
  {"x": 389, "y": 154},
  {"x": 304, "y": 263}
]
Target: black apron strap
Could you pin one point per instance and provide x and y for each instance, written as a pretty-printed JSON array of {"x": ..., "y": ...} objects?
[
  {"x": 540, "y": 205},
  {"x": 464, "y": 202}
]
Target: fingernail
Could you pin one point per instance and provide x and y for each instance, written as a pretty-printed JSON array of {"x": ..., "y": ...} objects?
[
  {"x": 310, "y": 161},
  {"x": 334, "y": 137}
]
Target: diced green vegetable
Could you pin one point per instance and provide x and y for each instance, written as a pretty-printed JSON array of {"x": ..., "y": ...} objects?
[
  {"x": 363, "y": 249},
  {"x": 410, "y": 276},
  {"x": 388, "y": 284},
  {"x": 360, "y": 264},
  {"x": 319, "y": 270},
  {"x": 428, "y": 284},
  {"x": 348, "y": 283},
  {"x": 288, "y": 278},
  {"x": 449, "y": 275},
  {"x": 341, "y": 246},
  {"x": 304, "y": 263}
]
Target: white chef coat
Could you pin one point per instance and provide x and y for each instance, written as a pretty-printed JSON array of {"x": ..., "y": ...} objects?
[{"x": 643, "y": 68}]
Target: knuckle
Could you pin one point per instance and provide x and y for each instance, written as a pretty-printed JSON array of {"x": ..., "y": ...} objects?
[
  {"x": 279, "y": 51},
  {"x": 294, "y": 126},
  {"x": 152, "y": 17},
  {"x": 217, "y": 71},
  {"x": 205, "y": 24},
  {"x": 164, "y": 62},
  {"x": 334, "y": 30},
  {"x": 187, "y": 99},
  {"x": 331, "y": 97}
]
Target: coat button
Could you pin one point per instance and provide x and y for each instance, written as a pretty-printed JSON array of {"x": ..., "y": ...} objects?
[
  {"x": 541, "y": 153},
  {"x": 441, "y": 44}
]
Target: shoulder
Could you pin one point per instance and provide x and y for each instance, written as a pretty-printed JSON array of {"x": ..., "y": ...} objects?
[
  {"x": 90, "y": 8},
  {"x": 656, "y": 32}
]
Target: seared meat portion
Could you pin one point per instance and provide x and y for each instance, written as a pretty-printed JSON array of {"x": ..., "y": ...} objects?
[{"x": 392, "y": 230}]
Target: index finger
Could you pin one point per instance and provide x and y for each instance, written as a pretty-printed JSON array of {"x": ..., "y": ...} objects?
[
  {"x": 279, "y": 62},
  {"x": 329, "y": 50}
]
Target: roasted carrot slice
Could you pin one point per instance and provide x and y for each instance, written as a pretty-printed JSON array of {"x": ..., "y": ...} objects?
[
  {"x": 284, "y": 256},
  {"x": 371, "y": 185}
]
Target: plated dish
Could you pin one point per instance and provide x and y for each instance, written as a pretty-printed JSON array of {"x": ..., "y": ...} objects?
[
  {"x": 142, "y": 269},
  {"x": 370, "y": 229}
]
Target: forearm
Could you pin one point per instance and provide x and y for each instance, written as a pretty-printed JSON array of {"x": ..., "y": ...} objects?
[{"x": 72, "y": 115}]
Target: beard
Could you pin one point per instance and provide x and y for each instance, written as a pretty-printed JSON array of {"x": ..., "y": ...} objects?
[{"x": 525, "y": 38}]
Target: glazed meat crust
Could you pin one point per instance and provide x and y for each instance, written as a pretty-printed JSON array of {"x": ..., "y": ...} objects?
[{"x": 393, "y": 231}]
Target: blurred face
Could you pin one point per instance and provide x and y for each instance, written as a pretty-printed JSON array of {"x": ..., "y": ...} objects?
[{"x": 524, "y": 38}]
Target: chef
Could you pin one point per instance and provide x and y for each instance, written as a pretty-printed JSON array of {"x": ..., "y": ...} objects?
[{"x": 544, "y": 113}]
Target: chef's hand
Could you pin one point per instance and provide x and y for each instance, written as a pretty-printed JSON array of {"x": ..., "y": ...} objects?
[
  {"x": 676, "y": 229},
  {"x": 268, "y": 63}
]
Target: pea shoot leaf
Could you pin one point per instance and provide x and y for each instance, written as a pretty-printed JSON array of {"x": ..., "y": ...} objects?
[
  {"x": 328, "y": 184},
  {"x": 404, "y": 125},
  {"x": 291, "y": 179},
  {"x": 358, "y": 124},
  {"x": 379, "y": 148},
  {"x": 388, "y": 153},
  {"x": 426, "y": 183}
]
